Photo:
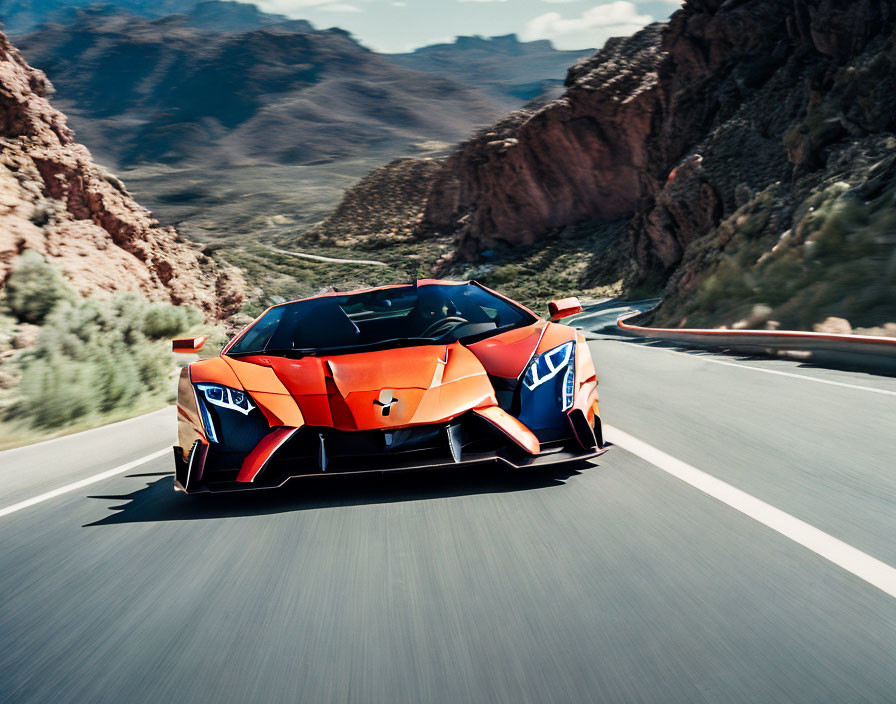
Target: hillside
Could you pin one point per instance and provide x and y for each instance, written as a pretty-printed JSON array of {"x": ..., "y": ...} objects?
[
  {"x": 232, "y": 123},
  {"x": 747, "y": 147},
  {"x": 55, "y": 200},
  {"x": 171, "y": 90},
  {"x": 24, "y": 15}
]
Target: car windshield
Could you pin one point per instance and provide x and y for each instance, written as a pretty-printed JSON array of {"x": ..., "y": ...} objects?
[{"x": 427, "y": 314}]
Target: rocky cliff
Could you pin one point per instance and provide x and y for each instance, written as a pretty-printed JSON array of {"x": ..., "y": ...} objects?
[
  {"x": 721, "y": 135},
  {"x": 56, "y": 200}
]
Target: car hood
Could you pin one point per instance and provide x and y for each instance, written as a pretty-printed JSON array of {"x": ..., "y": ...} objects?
[{"x": 367, "y": 390}]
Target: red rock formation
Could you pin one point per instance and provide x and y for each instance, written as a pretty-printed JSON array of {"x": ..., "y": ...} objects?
[
  {"x": 581, "y": 155},
  {"x": 56, "y": 200},
  {"x": 646, "y": 104}
]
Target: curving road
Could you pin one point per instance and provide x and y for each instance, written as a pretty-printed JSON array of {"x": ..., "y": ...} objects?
[{"x": 735, "y": 546}]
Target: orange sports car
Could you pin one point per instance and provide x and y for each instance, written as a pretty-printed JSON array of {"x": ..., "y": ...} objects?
[{"x": 430, "y": 374}]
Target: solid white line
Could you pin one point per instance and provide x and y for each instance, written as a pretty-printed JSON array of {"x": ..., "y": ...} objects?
[
  {"x": 42, "y": 443},
  {"x": 707, "y": 358},
  {"x": 862, "y": 565},
  {"x": 121, "y": 469}
]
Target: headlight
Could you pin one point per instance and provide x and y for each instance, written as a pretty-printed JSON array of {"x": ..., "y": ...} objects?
[
  {"x": 223, "y": 397},
  {"x": 550, "y": 364}
]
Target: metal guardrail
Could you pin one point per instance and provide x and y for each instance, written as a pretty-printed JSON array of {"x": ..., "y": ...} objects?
[{"x": 878, "y": 353}]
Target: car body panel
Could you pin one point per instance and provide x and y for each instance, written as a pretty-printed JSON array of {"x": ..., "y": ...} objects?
[
  {"x": 189, "y": 423},
  {"x": 279, "y": 409},
  {"x": 512, "y": 427},
  {"x": 257, "y": 376},
  {"x": 506, "y": 355},
  {"x": 214, "y": 370},
  {"x": 554, "y": 336},
  {"x": 261, "y": 455}
]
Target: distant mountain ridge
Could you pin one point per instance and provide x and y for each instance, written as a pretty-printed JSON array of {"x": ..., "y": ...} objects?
[
  {"x": 505, "y": 67},
  {"x": 171, "y": 89},
  {"x": 20, "y": 16}
]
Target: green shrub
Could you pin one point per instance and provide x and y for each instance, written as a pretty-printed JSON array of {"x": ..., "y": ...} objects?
[
  {"x": 34, "y": 287},
  {"x": 56, "y": 391},
  {"x": 98, "y": 357},
  {"x": 163, "y": 320}
]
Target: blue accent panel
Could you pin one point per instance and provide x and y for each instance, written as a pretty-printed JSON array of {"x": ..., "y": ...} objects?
[
  {"x": 207, "y": 421},
  {"x": 543, "y": 408}
]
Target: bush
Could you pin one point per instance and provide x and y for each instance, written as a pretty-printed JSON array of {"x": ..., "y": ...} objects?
[
  {"x": 56, "y": 392},
  {"x": 163, "y": 320},
  {"x": 97, "y": 357},
  {"x": 34, "y": 287}
]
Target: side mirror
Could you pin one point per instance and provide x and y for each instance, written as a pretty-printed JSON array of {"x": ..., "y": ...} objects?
[
  {"x": 564, "y": 308},
  {"x": 188, "y": 345}
]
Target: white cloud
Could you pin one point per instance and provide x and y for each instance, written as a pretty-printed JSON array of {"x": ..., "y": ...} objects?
[
  {"x": 482, "y": 0},
  {"x": 292, "y": 7},
  {"x": 559, "y": 2},
  {"x": 607, "y": 20},
  {"x": 339, "y": 7}
]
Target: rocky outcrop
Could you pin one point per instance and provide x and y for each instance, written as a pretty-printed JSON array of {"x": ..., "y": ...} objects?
[
  {"x": 605, "y": 148},
  {"x": 711, "y": 132},
  {"x": 387, "y": 203},
  {"x": 580, "y": 156},
  {"x": 56, "y": 200}
]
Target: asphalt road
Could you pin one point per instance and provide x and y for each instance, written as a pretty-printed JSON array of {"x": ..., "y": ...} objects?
[{"x": 617, "y": 582}]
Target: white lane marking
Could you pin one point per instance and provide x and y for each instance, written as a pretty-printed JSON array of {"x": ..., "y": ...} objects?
[
  {"x": 42, "y": 443},
  {"x": 706, "y": 357},
  {"x": 862, "y": 565},
  {"x": 74, "y": 486}
]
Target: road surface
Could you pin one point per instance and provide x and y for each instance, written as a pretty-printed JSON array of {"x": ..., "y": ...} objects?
[{"x": 736, "y": 545}]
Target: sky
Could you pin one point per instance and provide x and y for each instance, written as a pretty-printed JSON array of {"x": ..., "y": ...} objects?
[{"x": 403, "y": 25}]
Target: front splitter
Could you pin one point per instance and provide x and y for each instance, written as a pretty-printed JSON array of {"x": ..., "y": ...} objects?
[{"x": 545, "y": 459}]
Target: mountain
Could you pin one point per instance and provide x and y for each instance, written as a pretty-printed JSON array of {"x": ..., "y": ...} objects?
[
  {"x": 236, "y": 17},
  {"x": 54, "y": 199},
  {"x": 169, "y": 90},
  {"x": 231, "y": 123},
  {"x": 505, "y": 67},
  {"x": 747, "y": 147},
  {"x": 20, "y": 16}
]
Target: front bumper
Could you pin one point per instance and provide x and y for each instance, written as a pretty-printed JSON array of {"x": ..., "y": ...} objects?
[{"x": 314, "y": 451}]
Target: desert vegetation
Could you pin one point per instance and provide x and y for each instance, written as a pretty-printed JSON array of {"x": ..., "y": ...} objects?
[{"x": 68, "y": 362}]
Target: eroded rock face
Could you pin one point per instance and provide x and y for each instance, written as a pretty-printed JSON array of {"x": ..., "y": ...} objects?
[
  {"x": 685, "y": 208},
  {"x": 839, "y": 28},
  {"x": 726, "y": 80},
  {"x": 387, "y": 203},
  {"x": 580, "y": 156},
  {"x": 56, "y": 200}
]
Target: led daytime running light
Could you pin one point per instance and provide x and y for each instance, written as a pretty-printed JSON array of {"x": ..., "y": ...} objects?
[
  {"x": 225, "y": 397},
  {"x": 548, "y": 365}
]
